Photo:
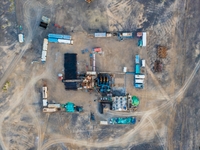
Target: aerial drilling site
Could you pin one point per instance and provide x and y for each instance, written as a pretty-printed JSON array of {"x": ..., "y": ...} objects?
[{"x": 93, "y": 74}]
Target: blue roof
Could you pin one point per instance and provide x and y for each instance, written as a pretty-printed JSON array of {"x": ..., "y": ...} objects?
[
  {"x": 137, "y": 69},
  {"x": 137, "y": 59}
]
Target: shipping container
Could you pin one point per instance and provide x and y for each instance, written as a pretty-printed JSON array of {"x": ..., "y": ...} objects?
[
  {"x": 44, "y": 92},
  {"x": 139, "y": 86},
  {"x": 103, "y": 122},
  {"x": 144, "y": 39},
  {"x": 44, "y": 56},
  {"x": 141, "y": 76},
  {"x": 103, "y": 34},
  {"x": 139, "y": 81},
  {"x": 53, "y": 40},
  {"x": 143, "y": 63},
  {"x": 44, "y": 102},
  {"x": 137, "y": 59},
  {"x": 54, "y": 106},
  {"x": 50, "y": 110},
  {"x": 21, "y": 38},
  {"x": 56, "y": 36},
  {"x": 62, "y": 41},
  {"x": 137, "y": 69}
]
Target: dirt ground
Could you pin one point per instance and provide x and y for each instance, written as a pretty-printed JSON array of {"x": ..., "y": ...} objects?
[{"x": 167, "y": 117}]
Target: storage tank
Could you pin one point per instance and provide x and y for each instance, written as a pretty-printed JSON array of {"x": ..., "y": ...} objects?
[
  {"x": 62, "y": 41},
  {"x": 52, "y": 40},
  {"x": 21, "y": 38}
]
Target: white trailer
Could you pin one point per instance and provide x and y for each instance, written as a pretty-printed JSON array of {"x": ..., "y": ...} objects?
[
  {"x": 63, "y": 41},
  {"x": 21, "y": 38},
  {"x": 54, "y": 106},
  {"x": 103, "y": 122},
  {"x": 143, "y": 63},
  {"x": 144, "y": 39},
  {"x": 139, "y": 81},
  {"x": 44, "y": 92},
  {"x": 140, "y": 76}
]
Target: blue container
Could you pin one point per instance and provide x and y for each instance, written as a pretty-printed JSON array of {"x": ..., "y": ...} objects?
[
  {"x": 137, "y": 69},
  {"x": 67, "y": 37},
  {"x": 137, "y": 59},
  {"x": 57, "y": 36},
  {"x": 53, "y": 40},
  {"x": 138, "y": 86}
]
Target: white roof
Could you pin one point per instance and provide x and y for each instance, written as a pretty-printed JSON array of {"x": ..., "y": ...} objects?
[
  {"x": 53, "y": 105},
  {"x": 144, "y": 39},
  {"x": 65, "y": 41},
  {"x": 139, "y": 81}
]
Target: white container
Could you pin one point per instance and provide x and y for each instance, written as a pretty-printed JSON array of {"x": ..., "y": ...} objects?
[
  {"x": 93, "y": 73},
  {"x": 140, "y": 76},
  {"x": 139, "y": 81},
  {"x": 62, "y": 41},
  {"x": 44, "y": 102},
  {"x": 103, "y": 34},
  {"x": 21, "y": 38},
  {"x": 50, "y": 110},
  {"x": 143, "y": 63},
  {"x": 53, "y": 105},
  {"x": 44, "y": 56},
  {"x": 125, "y": 69},
  {"x": 144, "y": 39},
  {"x": 103, "y": 122},
  {"x": 44, "y": 92}
]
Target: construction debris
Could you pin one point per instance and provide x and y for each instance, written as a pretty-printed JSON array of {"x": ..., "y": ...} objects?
[
  {"x": 158, "y": 66},
  {"x": 162, "y": 52},
  {"x": 88, "y": 1}
]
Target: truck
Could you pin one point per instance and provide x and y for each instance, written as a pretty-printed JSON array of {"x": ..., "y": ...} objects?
[
  {"x": 125, "y": 35},
  {"x": 44, "y": 92},
  {"x": 54, "y": 106},
  {"x": 102, "y": 34},
  {"x": 143, "y": 63},
  {"x": 50, "y": 110},
  {"x": 103, "y": 122},
  {"x": 138, "y": 86}
]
